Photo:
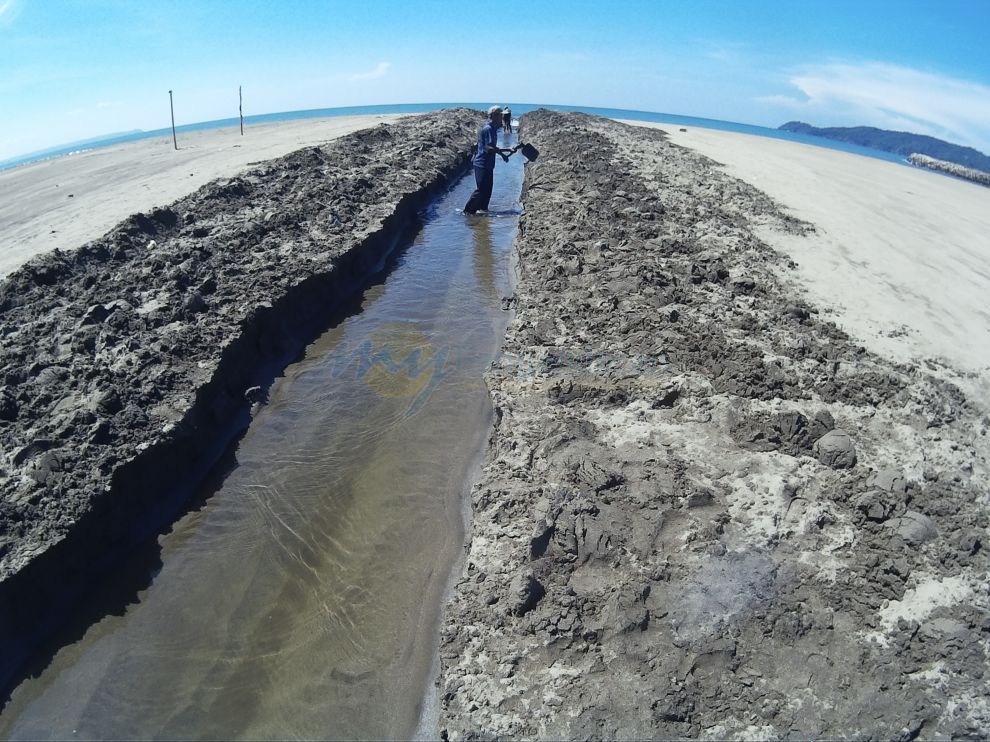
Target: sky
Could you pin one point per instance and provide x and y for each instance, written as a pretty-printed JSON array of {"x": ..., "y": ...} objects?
[{"x": 74, "y": 69}]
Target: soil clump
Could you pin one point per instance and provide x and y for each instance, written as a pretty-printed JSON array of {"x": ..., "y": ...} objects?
[
  {"x": 129, "y": 364},
  {"x": 706, "y": 511}
]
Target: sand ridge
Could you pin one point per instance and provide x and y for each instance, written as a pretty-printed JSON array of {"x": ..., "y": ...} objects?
[
  {"x": 707, "y": 511},
  {"x": 65, "y": 201},
  {"x": 899, "y": 256}
]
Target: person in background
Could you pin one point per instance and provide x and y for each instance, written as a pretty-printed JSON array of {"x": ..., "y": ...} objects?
[
  {"x": 484, "y": 162},
  {"x": 507, "y": 119}
]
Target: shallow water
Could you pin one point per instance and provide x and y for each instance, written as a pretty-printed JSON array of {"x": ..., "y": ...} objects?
[{"x": 300, "y": 598}]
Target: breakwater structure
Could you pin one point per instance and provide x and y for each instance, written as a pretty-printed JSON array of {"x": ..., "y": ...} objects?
[
  {"x": 966, "y": 173},
  {"x": 129, "y": 364}
]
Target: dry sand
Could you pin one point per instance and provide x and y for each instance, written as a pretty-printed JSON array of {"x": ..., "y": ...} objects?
[
  {"x": 900, "y": 255},
  {"x": 64, "y": 202}
]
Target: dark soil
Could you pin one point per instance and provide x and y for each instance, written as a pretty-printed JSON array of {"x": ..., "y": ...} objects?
[
  {"x": 127, "y": 365},
  {"x": 706, "y": 511}
]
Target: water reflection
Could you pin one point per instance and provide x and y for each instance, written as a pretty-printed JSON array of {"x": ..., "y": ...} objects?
[{"x": 484, "y": 259}]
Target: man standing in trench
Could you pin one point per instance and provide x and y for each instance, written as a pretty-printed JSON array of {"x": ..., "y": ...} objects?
[{"x": 484, "y": 162}]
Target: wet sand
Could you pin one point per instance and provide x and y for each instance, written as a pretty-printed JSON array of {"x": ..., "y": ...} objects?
[
  {"x": 65, "y": 201},
  {"x": 707, "y": 510}
]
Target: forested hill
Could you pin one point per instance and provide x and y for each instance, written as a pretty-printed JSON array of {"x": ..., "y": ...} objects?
[{"x": 898, "y": 142}]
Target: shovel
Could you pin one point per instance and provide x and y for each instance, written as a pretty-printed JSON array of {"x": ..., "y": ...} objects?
[{"x": 529, "y": 151}]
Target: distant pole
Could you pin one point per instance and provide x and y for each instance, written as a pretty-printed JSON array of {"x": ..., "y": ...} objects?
[
  {"x": 240, "y": 107},
  {"x": 172, "y": 109}
]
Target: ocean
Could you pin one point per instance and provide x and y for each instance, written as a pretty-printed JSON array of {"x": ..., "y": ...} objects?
[{"x": 517, "y": 109}]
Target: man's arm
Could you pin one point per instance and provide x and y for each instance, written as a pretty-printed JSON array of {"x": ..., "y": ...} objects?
[{"x": 492, "y": 146}]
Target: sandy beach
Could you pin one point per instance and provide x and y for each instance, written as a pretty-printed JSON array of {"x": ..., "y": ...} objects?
[
  {"x": 65, "y": 201},
  {"x": 900, "y": 256}
]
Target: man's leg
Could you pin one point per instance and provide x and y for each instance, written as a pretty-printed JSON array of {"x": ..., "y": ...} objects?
[
  {"x": 478, "y": 200},
  {"x": 486, "y": 186},
  {"x": 484, "y": 180}
]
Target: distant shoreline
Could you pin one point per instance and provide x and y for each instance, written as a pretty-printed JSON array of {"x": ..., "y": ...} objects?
[{"x": 408, "y": 108}]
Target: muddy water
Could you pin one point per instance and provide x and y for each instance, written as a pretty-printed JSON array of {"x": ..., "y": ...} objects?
[{"x": 300, "y": 599}]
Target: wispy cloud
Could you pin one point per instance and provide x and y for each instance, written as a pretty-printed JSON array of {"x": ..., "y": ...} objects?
[
  {"x": 726, "y": 52},
  {"x": 893, "y": 97},
  {"x": 374, "y": 74},
  {"x": 8, "y": 11}
]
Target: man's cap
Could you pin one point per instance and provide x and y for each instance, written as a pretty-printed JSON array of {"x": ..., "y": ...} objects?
[{"x": 493, "y": 109}]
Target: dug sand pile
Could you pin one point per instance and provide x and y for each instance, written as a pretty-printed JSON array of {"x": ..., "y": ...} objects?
[
  {"x": 128, "y": 364},
  {"x": 706, "y": 511}
]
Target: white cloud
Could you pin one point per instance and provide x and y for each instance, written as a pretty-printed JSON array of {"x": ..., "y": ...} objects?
[
  {"x": 726, "y": 52},
  {"x": 892, "y": 97},
  {"x": 787, "y": 101},
  {"x": 8, "y": 11},
  {"x": 374, "y": 74}
]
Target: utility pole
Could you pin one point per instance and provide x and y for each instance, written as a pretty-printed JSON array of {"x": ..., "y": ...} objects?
[
  {"x": 172, "y": 108},
  {"x": 240, "y": 107}
]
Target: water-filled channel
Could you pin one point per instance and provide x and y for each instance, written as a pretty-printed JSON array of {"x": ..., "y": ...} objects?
[{"x": 299, "y": 598}]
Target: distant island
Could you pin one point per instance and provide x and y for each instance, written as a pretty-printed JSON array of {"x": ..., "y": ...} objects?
[{"x": 898, "y": 142}]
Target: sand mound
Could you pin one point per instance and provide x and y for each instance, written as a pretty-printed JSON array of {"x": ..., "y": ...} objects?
[{"x": 706, "y": 511}]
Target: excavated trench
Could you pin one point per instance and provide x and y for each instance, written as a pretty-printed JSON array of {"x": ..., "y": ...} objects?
[{"x": 299, "y": 594}]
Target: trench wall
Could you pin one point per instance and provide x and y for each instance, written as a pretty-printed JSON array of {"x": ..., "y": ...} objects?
[{"x": 128, "y": 366}]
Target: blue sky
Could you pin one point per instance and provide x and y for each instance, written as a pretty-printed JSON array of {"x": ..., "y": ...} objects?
[{"x": 72, "y": 69}]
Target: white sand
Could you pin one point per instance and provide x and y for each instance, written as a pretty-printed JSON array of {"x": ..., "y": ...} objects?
[
  {"x": 901, "y": 255},
  {"x": 109, "y": 184}
]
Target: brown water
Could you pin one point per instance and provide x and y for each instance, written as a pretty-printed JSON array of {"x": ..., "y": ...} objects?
[{"x": 301, "y": 598}]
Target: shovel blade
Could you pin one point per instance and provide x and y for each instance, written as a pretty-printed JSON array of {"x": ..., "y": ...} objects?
[{"x": 529, "y": 152}]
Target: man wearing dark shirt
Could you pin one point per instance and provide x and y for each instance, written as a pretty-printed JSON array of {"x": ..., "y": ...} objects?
[{"x": 484, "y": 162}]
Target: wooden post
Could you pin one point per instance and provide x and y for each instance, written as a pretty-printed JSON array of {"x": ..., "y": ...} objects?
[
  {"x": 240, "y": 107},
  {"x": 172, "y": 108}
]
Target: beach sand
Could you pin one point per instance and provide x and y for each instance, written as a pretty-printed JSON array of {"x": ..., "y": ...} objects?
[
  {"x": 64, "y": 202},
  {"x": 900, "y": 256},
  {"x": 707, "y": 511}
]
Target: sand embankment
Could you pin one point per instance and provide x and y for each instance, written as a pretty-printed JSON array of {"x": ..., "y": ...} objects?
[
  {"x": 708, "y": 511},
  {"x": 128, "y": 364},
  {"x": 65, "y": 201}
]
